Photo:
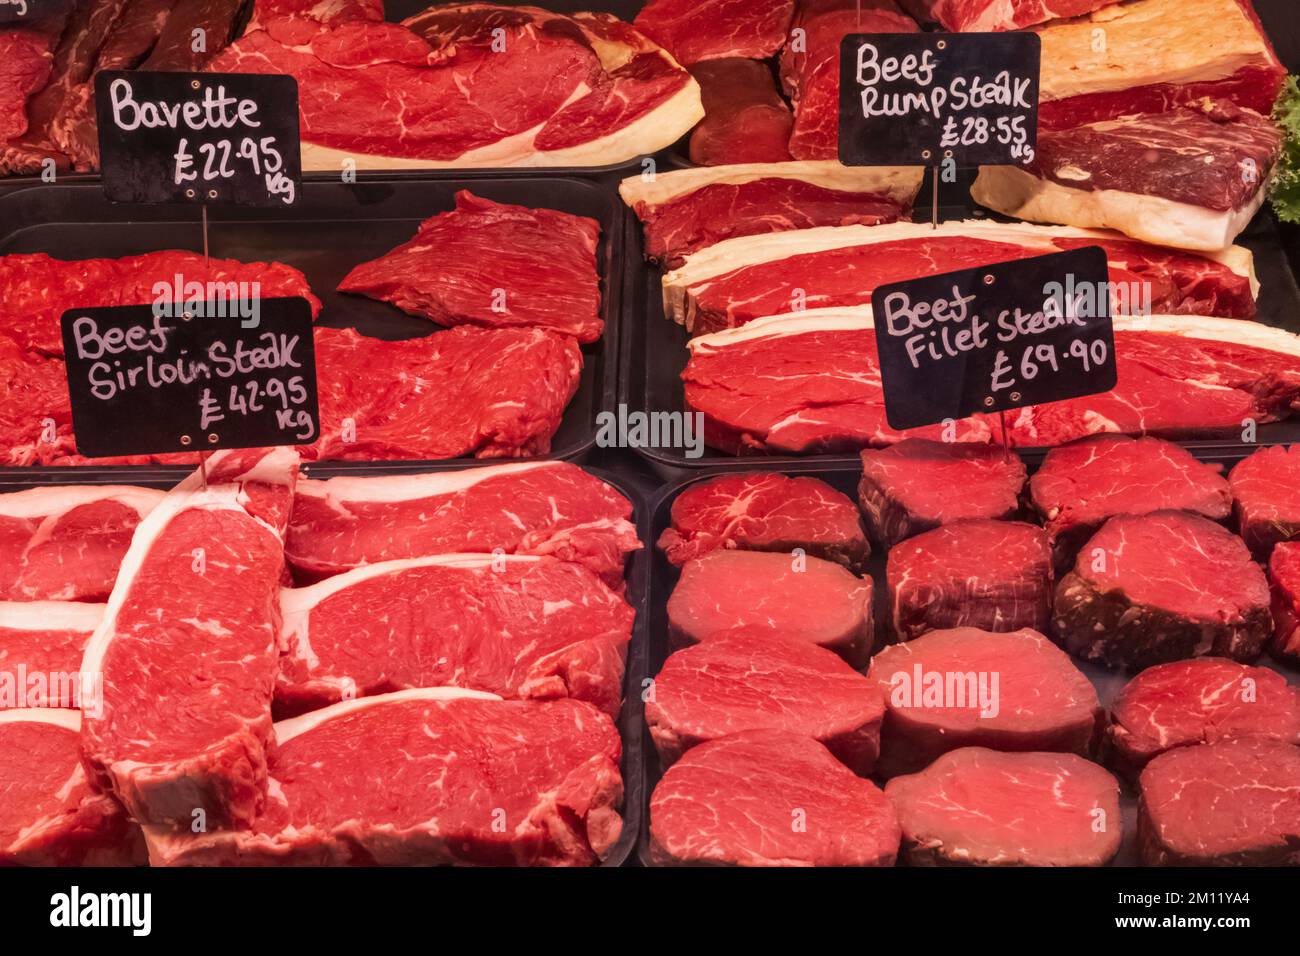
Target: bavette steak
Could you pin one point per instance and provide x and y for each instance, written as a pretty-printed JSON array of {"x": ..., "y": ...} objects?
[
  {"x": 769, "y": 798},
  {"x": 1265, "y": 497}
]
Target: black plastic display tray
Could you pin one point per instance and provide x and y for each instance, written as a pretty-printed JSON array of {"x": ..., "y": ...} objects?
[
  {"x": 631, "y": 721},
  {"x": 332, "y": 228},
  {"x": 654, "y": 347},
  {"x": 663, "y": 578}
]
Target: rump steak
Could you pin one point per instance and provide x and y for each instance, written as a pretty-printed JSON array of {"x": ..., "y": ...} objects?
[
  {"x": 769, "y": 798},
  {"x": 986, "y": 16},
  {"x": 909, "y": 488},
  {"x": 551, "y": 508},
  {"x": 188, "y": 648},
  {"x": 41, "y": 645},
  {"x": 1080, "y": 485},
  {"x": 745, "y": 119},
  {"x": 1233, "y": 803},
  {"x": 517, "y": 626},
  {"x": 765, "y": 511},
  {"x": 747, "y": 679},
  {"x": 1266, "y": 497},
  {"x": 802, "y": 598},
  {"x": 1163, "y": 587},
  {"x": 425, "y": 777},
  {"x": 49, "y": 815},
  {"x": 1201, "y": 701},
  {"x": 695, "y": 30},
  {"x": 495, "y": 265},
  {"x": 65, "y": 543},
  {"x": 994, "y": 575},
  {"x": 1284, "y": 579},
  {"x": 978, "y": 807},
  {"x": 971, "y": 688}
]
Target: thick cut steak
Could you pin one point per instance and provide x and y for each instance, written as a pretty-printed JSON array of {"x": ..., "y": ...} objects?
[
  {"x": 35, "y": 290},
  {"x": 1157, "y": 55},
  {"x": 690, "y": 209},
  {"x": 1081, "y": 485},
  {"x": 764, "y": 511},
  {"x": 1201, "y": 701},
  {"x": 516, "y": 626},
  {"x": 973, "y": 688},
  {"x": 495, "y": 265},
  {"x": 1266, "y": 497},
  {"x": 739, "y": 280},
  {"x": 188, "y": 648},
  {"x": 695, "y": 30},
  {"x": 49, "y": 815},
  {"x": 549, "y": 508},
  {"x": 978, "y": 807},
  {"x": 426, "y": 777},
  {"x": 747, "y": 679},
  {"x": 41, "y": 645},
  {"x": 994, "y": 575},
  {"x": 1284, "y": 580},
  {"x": 1234, "y": 803},
  {"x": 1163, "y": 587},
  {"x": 745, "y": 119},
  {"x": 66, "y": 543},
  {"x": 598, "y": 92},
  {"x": 810, "y": 65},
  {"x": 909, "y": 488},
  {"x": 800, "y": 598},
  {"x": 810, "y": 384},
  {"x": 769, "y": 798},
  {"x": 985, "y": 16},
  {"x": 1191, "y": 178}
]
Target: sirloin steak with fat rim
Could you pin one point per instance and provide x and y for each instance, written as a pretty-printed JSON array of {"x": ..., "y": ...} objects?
[
  {"x": 188, "y": 648},
  {"x": 803, "y": 599},
  {"x": 764, "y": 511},
  {"x": 748, "y": 680},
  {"x": 1163, "y": 587},
  {"x": 978, "y": 807},
  {"x": 1266, "y": 497},
  {"x": 519, "y": 626},
  {"x": 994, "y": 575},
  {"x": 971, "y": 688},
  {"x": 769, "y": 798},
  {"x": 913, "y": 486},
  {"x": 1233, "y": 803},
  {"x": 1201, "y": 701},
  {"x": 425, "y": 777}
]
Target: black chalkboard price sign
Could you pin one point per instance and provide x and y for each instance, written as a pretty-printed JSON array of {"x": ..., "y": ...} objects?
[
  {"x": 156, "y": 378},
  {"x": 922, "y": 98},
  {"x": 998, "y": 337},
  {"x": 203, "y": 138},
  {"x": 30, "y": 11}
]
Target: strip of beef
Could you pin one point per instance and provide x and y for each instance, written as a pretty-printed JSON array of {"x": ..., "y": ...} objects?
[{"x": 1266, "y": 497}]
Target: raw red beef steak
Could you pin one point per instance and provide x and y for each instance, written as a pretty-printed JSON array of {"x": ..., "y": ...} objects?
[
  {"x": 1163, "y": 587},
  {"x": 1234, "y": 803},
  {"x": 49, "y": 814},
  {"x": 984, "y": 16},
  {"x": 765, "y": 511},
  {"x": 549, "y": 508},
  {"x": 769, "y": 798},
  {"x": 188, "y": 648},
  {"x": 1081, "y": 485},
  {"x": 1266, "y": 497},
  {"x": 913, "y": 486},
  {"x": 993, "y": 575},
  {"x": 495, "y": 265},
  {"x": 426, "y": 777},
  {"x": 745, "y": 119},
  {"x": 41, "y": 646},
  {"x": 978, "y": 807},
  {"x": 747, "y": 680},
  {"x": 804, "y": 599},
  {"x": 66, "y": 543},
  {"x": 517, "y": 626},
  {"x": 1284, "y": 579},
  {"x": 973, "y": 688},
  {"x": 1202, "y": 701},
  {"x": 695, "y": 30}
]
